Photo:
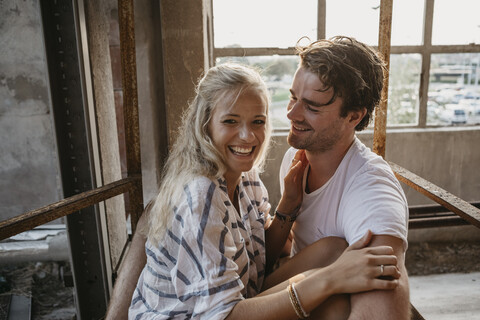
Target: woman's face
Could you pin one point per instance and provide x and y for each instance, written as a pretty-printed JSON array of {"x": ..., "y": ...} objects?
[{"x": 238, "y": 131}]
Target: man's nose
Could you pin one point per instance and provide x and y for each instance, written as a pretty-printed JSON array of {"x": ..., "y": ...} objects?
[{"x": 293, "y": 110}]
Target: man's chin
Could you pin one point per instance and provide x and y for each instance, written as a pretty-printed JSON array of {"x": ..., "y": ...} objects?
[{"x": 294, "y": 141}]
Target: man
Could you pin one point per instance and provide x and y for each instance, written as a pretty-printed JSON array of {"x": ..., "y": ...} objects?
[{"x": 347, "y": 188}]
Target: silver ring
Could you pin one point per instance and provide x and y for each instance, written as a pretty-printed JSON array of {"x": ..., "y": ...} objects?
[{"x": 381, "y": 269}]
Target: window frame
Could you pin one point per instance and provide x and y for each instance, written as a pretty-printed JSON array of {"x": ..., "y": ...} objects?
[{"x": 425, "y": 50}]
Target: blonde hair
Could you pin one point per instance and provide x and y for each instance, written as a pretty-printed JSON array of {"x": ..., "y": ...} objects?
[{"x": 193, "y": 153}]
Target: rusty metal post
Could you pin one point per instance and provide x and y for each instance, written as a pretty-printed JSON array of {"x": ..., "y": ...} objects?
[
  {"x": 126, "y": 20},
  {"x": 384, "y": 38}
]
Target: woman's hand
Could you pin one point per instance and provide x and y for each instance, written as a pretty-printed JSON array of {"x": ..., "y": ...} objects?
[
  {"x": 362, "y": 268},
  {"x": 293, "y": 192}
]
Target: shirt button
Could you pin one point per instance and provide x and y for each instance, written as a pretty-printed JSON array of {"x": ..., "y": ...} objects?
[
  {"x": 251, "y": 262},
  {"x": 247, "y": 243}
]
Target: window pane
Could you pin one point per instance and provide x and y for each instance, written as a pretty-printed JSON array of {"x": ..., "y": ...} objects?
[
  {"x": 353, "y": 18},
  {"x": 454, "y": 91},
  {"x": 407, "y": 22},
  {"x": 403, "y": 88},
  {"x": 266, "y": 23},
  {"x": 456, "y": 22},
  {"x": 277, "y": 71}
]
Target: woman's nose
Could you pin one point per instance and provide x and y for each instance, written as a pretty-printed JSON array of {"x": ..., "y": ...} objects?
[{"x": 246, "y": 133}]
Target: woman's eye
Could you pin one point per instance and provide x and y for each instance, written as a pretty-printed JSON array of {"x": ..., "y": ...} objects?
[
  {"x": 229, "y": 121},
  {"x": 259, "y": 122}
]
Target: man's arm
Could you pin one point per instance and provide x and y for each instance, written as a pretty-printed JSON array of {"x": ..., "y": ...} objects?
[
  {"x": 384, "y": 304},
  {"x": 130, "y": 270}
]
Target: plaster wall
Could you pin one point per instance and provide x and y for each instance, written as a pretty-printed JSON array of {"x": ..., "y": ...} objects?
[{"x": 28, "y": 161}]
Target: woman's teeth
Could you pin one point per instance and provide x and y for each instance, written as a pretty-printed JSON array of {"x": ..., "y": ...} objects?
[{"x": 241, "y": 150}]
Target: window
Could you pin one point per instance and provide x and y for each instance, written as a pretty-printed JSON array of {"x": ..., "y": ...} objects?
[
  {"x": 435, "y": 44},
  {"x": 454, "y": 95},
  {"x": 456, "y": 22},
  {"x": 266, "y": 23}
]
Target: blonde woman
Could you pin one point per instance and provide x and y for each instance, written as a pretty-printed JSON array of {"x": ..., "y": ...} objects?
[{"x": 211, "y": 243}]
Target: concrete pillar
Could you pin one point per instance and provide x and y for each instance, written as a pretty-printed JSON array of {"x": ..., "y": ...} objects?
[
  {"x": 151, "y": 95},
  {"x": 186, "y": 34}
]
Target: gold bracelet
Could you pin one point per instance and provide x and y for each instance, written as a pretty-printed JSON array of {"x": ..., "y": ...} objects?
[
  {"x": 304, "y": 313},
  {"x": 294, "y": 301}
]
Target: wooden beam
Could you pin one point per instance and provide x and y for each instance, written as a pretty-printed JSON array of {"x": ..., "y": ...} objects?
[
  {"x": 126, "y": 20},
  {"x": 384, "y": 40},
  {"x": 34, "y": 218},
  {"x": 456, "y": 205}
]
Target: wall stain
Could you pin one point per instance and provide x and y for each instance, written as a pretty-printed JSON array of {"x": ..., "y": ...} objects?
[{"x": 27, "y": 88}]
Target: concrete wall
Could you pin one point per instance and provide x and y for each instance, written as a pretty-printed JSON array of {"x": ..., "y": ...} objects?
[{"x": 28, "y": 161}]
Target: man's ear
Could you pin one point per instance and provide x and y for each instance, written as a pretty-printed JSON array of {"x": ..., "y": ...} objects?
[{"x": 354, "y": 117}]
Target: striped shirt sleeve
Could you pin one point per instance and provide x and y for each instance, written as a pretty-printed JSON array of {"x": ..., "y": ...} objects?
[{"x": 211, "y": 284}]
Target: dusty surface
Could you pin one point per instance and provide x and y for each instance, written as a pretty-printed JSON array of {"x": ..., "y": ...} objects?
[
  {"x": 437, "y": 258},
  {"x": 448, "y": 296},
  {"x": 52, "y": 300}
]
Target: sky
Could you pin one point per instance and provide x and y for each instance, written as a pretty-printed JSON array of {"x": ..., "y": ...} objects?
[{"x": 281, "y": 23}]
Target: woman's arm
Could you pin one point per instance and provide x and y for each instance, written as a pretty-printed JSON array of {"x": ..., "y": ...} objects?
[
  {"x": 130, "y": 270},
  {"x": 277, "y": 233},
  {"x": 356, "y": 270}
]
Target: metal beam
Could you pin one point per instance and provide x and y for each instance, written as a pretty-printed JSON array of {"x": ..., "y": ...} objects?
[
  {"x": 37, "y": 217},
  {"x": 130, "y": 106},
  {"x": 456, "y": 205},
  {"x": 61, "y": 34}
]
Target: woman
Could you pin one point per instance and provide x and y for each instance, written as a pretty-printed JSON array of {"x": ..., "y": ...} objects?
[{"x": 208, "y": 252}]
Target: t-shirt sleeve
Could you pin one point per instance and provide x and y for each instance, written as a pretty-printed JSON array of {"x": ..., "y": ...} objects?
[
  {"x": 205, "y": 275},
  {"x": 375, "y": 201}
]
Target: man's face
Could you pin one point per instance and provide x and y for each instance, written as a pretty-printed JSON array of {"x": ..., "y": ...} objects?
[{"x": 315, "y": 125}]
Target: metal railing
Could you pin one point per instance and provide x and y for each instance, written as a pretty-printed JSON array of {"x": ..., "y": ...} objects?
[{"x": 133, "y": 183}]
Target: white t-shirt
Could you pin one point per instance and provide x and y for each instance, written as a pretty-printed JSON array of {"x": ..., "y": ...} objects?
[{"x": 362, "y": 194}]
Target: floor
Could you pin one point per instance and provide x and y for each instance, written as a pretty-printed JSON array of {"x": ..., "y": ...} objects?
[{"x": 454, "y": 296}]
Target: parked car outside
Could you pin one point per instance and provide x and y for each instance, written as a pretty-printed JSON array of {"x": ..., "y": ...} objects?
[{"x": 453, "y": 114}]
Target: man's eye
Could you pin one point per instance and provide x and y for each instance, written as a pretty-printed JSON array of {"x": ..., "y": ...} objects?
[{"x": 293, "y": 98}]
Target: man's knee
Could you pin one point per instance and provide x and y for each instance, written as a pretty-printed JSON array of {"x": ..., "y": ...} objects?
[{"x": 336, "y": 307}]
